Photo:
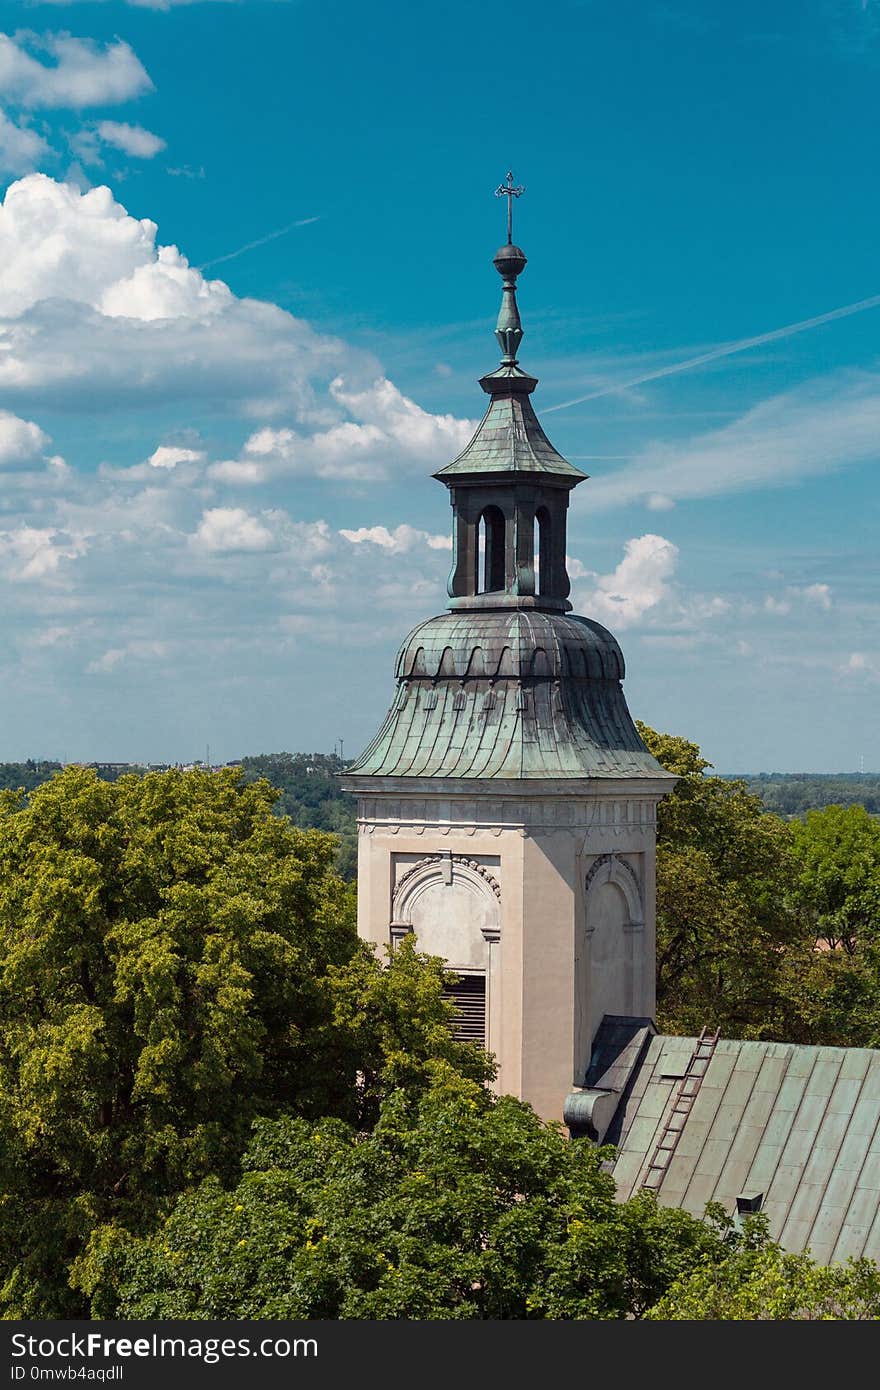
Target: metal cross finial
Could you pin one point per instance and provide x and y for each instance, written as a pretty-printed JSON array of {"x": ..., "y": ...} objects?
[{"x": 507, "y": 190}]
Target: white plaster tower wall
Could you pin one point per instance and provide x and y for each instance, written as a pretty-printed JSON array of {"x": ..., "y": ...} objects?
[{"x": 550, "y": 897}]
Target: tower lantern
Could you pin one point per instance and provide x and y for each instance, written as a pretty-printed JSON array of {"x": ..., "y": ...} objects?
[{"x": 507, "y": 805}]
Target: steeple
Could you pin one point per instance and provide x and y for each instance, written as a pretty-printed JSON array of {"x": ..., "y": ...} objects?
[
  {"x": 506, "y": 805},
  {"x": 509, "y": 487}
]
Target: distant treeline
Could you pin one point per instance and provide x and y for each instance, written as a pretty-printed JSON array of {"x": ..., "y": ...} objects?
[
  {"x": 28, "y": 775},
  {"x": 794, "y": 793},
  {"x": 312, "y": 797},
  {"x": 310, "y": 792}
]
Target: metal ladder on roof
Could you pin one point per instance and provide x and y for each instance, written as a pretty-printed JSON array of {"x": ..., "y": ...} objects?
[{"x": 682, "y": 1102}]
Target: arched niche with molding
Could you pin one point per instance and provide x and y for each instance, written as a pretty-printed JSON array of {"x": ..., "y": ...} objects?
[
  {"x": 452, "y": 907},
  {"x": 609, "y": 969}
]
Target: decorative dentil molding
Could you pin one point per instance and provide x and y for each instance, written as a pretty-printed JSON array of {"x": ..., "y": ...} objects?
[
  {"x": 609, "y": 868},
  {"x": 425, "y": 870},
  {"x": 472, "y": 864},
  {"x": 614, "y": 865},
  {"x": 469, "y": 815}
]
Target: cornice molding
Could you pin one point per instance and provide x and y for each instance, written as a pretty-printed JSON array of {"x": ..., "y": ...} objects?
[{"x": 469, "y": 816}]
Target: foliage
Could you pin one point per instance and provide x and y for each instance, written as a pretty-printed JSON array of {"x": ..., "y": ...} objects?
[
  {"x": 838, "y": 886},
  {"x": 312, "y": 797},
  {"x": 833, "y": 982},
  {"x": 744, "y": 902},
  {"x": 308, "y": 783},
  {"x": 766, "y": 1285},
  {"x": 175, "y": 960},
  {"x": 831, "y": 997},
  {"x": 27, "y": 775},
  {"x": 396, "y": 1027},
  {"x": 794, "y": 793},
  {"x": 724, "y": 919},
  {"x": 459, "y": 1205}
]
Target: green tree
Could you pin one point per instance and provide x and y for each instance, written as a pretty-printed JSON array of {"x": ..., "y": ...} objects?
[
  {"x": 312, "y": 797},
  {"x": 456, "y": 1205},
  {"x": 724, "y": 918},
  {"x": 832, "y": 983},
  {"x": 831, "y": 997},
  {"x": 175, "y": 960},
  {"x": 838, "y": 886},
  {"x": 767, "y": 1285}
]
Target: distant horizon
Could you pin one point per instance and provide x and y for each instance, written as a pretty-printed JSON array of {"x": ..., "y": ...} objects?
[{"x": 334, "y": 753}]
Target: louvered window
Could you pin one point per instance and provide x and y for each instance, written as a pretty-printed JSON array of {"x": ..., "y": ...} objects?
[{"x": 468, "y": 994}]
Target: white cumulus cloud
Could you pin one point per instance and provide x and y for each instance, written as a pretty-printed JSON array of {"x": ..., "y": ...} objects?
[
  {"x": 90, "y": 303},
  {"x": 20, "y": 147},
  {"x": 36, "y": 553},
  {"x": 58, "y": 70},
  {"x": 93, "y": 308},
  {"x": 398, "y": 541},
  {"x": 820, "y": 594},
  {"x": 170, "y": 455},
  {"x": 131, "y": 139},
  {"x": 778, "y": 606},
  {"x": 389, "y": 431},
  {"x": 21, "y": 441},
  {"x": 860, "y": 665},
  {"x": 639, "y": 583},
  {"x": 230, "y": 529},
  {"x": 817, "y": 595}
]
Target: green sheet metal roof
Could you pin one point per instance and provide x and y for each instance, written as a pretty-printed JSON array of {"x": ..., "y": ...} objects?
[
  {"x": 799, "y": 1124},
  {"x": 509, "y": 694},
  {"x": 509, "y": 439}
]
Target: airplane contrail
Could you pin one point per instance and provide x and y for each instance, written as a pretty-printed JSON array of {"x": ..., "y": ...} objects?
[
  {"x": 261, "y": 241},
  {"x": 726, "y": 351}
]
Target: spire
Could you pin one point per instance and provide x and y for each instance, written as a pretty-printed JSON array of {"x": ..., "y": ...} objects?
[
  {"x": 509, "y": 487},
  {"x": 509, "y": 438},
  {"x": 509, "y": 261}
]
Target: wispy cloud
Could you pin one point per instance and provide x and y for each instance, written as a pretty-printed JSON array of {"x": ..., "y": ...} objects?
[
  {"x": 725, "y": 350},
  {"x": 141, "y": 4},
  {"x": 131, "y": 139},
  {"x": 260, "y": 241},
  {"x": 828, "y": 424}
]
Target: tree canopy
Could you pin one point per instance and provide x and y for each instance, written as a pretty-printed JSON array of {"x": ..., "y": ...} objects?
[
  {"x": 763, "y": 1284},
  {"x": 311, "y": 796},
  {"x": 724, "y": 870},
  {"x": 216, "y": 1102},
  {"x": 838, "y": 864},
  {"x": 175, "y": 961},
  {"x": 765, "y": 928},
  {"x": 455, "y": 1205}
]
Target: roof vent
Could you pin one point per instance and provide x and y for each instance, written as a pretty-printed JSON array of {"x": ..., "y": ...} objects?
[{"x": 748, "y": 1202}]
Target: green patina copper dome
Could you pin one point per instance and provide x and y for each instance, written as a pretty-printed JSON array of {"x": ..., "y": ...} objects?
[
  {"x": 508, "y": 694},
  {"x": 518, "y": 645}
]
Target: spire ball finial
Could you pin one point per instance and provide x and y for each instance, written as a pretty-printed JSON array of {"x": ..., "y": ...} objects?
[{"x": 508, "y": 191}]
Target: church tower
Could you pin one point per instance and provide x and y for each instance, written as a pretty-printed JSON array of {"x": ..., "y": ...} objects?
[{"x": 507, "y": 806}]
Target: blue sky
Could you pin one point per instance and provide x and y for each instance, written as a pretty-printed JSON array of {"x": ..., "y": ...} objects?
[{"x": 218, "y": 519}]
